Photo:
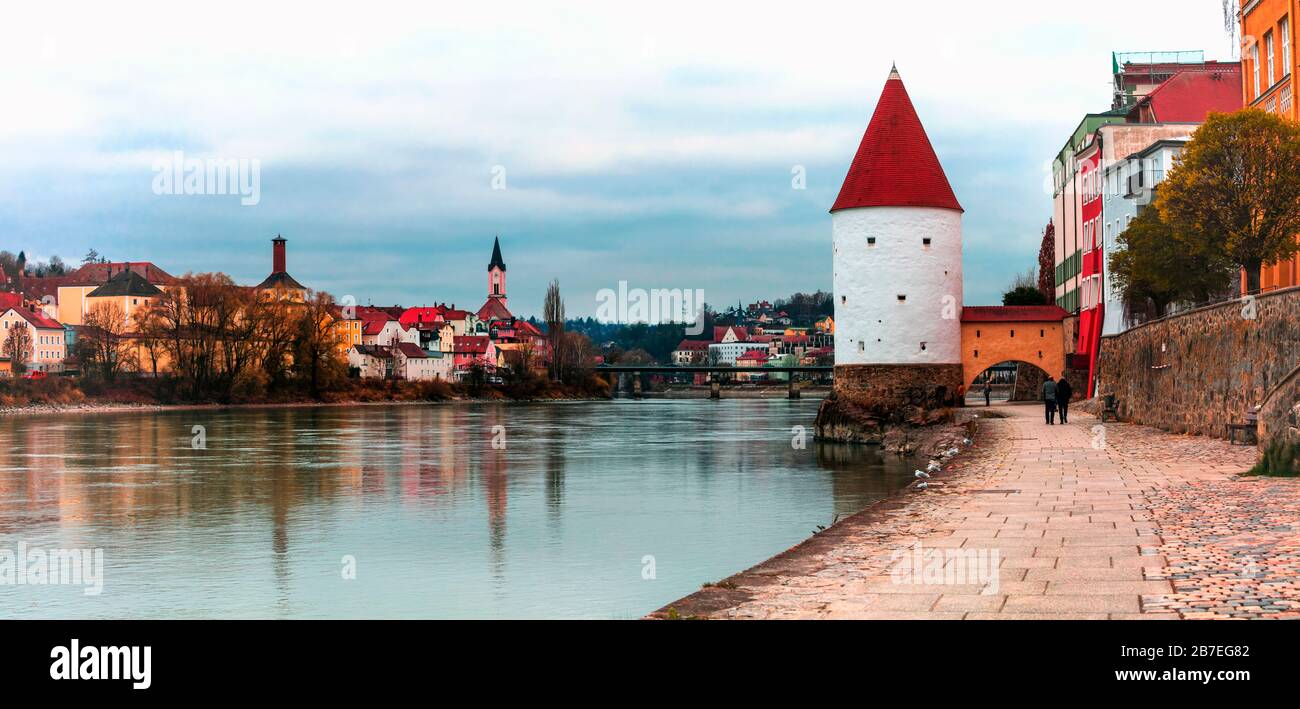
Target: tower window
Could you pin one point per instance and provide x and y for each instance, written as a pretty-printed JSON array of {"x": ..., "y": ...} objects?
[
  {"x": 901, "y": 297},
  {"x": 844, "y": 299},
  {"x": 977, "y": 333},
  {"x": 1041, "y": 333},
  {"x": 862, "y": 346},
  {"x": 977, "y": 354},
  {"x": 871, "y": 241},
  {"x": 922, "y": 346},
  {"x": 1013, "y": 333},
  {"x": 925, "y": 241}
]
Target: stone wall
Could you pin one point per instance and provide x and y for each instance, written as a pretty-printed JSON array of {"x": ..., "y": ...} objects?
[
  {"x": 1198, "y": 371},
  {"x": 1279, "y": 417},
  {"x": 868, "y": 400}
]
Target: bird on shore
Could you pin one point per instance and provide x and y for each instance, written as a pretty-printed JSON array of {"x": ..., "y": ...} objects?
[
  {"x": 922, "y": 486},
  {"x": 950, "y": 452},
  {"x": 933, "y": 467},
  {"x": 921, "y": 474},
  {"x": 965, "y": 441}
]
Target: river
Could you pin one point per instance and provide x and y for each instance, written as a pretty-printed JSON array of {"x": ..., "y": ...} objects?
[{"x": 604, "y": 509}]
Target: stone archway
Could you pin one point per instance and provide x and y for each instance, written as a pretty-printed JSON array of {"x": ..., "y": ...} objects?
[
  {"x": 986, "y": 342},
  {"x": 1014, "y": 380}
]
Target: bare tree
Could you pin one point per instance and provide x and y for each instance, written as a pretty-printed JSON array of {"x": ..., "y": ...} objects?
[
  {"x": 553, "y": 313},
  {"x": 316, "y": 357},
  {"x": 18, "y": 348},
  {"x": 103, "y": 344}
]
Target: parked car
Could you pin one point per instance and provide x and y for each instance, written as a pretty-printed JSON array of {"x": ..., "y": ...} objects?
[{"x": 37, "y": 374}]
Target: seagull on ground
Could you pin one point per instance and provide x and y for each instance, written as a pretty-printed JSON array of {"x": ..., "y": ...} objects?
[{"x": 921, "y": 474}]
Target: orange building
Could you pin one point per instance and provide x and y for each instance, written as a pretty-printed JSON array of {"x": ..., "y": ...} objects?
[
  {"x": 1268, "y": 56},
  {"x": 994, "y": 334}
]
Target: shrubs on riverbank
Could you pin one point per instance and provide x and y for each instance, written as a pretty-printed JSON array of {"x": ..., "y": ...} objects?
[{"x": 60, "y": 392}]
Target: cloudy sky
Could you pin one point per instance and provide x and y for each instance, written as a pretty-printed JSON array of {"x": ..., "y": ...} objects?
[{"x": 648, "y": 143}]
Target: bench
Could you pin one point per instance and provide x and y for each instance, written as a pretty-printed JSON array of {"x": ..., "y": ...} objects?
[
  {"x": 1109, "y": 407},
  {"x": 1249, "y": 429}
]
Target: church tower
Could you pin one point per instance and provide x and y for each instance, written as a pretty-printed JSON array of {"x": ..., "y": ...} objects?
[
  {"x": 497, "y": 274},
  {"x": 896, "y": 236}
]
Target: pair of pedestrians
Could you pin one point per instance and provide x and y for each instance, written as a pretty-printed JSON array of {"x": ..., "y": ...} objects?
[{"x": 1056, "y": 396}]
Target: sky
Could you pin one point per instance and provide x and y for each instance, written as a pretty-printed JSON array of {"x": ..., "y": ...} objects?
[{"x": 604, "y": 142}]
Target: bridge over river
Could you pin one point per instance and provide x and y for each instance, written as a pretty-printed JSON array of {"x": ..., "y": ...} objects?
[{"x": 714, "y": 372}]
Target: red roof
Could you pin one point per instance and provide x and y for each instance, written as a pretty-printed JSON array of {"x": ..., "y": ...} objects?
[
  {"x": 756, "y": 355},
  {"x": 1192, "y": 94},
  {"x": 470, "y": 344},
  {"x": 693, "y": 345},
  {"x": 454, "y": 314},
  {"x": 1013, "y": 313},
  {"x": 422, "y": 315},
  {"x": 411, "y": 350},
  {"x": 895, "y": 165},
  {"x": 36, "y": 319},
  {"x": 720, "y": 331},
  {"x": 10, "y": 300},
  {"x": 527, "y": 328},
  {"x": 494, "y": 308}
]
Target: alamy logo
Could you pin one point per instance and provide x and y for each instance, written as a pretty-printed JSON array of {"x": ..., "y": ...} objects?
[
  {"x": 209, "y": 176},
  {"x": 658, "y": 306},
  {"x": 129, "y": 662},
  {"x": 33, "y": 566}
]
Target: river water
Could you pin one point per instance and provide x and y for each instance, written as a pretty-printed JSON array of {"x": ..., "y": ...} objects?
[{"x": 605, "y": 509}]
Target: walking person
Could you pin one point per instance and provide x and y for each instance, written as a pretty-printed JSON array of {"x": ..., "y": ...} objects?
[
  {"x": 988, "y": 389},
  {"x": 1063, "y": 393},
  {"x": 1049, "y": 400}
]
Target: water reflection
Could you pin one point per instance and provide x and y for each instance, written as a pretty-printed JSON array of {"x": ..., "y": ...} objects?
[{"x": 551, "y": 521}]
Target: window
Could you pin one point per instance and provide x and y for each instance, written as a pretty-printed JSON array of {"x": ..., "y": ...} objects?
[
  {"x": 901, "y": 297},
  {"x": 923, "y": 346},
  {"x": 862, "y": 346},
  {"x": 977, "y": 354},
  {"x": 1013, "y": 333},
  {"x": 1254, "y": 63},
  {"x": 871, "y": 241},
  {"x": 925, "y": 241},
  {"x": 1284, "y": 29},
  {"x": 1268, "y": 50}
]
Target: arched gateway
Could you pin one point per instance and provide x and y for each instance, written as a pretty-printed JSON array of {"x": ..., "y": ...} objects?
[{"x": 999, "y": 333}]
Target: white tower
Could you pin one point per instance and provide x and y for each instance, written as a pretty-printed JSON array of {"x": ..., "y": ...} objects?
[{"x": 896, "y": 233}]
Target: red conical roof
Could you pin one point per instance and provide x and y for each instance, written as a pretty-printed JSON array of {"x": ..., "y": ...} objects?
[{"x": 895, "y": 165}]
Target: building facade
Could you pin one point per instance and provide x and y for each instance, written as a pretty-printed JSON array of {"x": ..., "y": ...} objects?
[
  {"x": 1268, "y": 54},
  {"x": 46, "y": 347}
]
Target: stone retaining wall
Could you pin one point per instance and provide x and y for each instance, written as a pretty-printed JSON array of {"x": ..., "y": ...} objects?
[
  {"x": 1279, "y": 417},
  {"x": 1198, "y": 371},
  {"x": 869, "y": 399}
]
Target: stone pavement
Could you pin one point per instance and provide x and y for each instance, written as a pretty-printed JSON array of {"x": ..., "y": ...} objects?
[{"x": 1078, "y": 521}]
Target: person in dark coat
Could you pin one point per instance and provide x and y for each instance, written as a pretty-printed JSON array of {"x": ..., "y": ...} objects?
[
  {"x": 1063, "y": 393},
  {"x": 1049, "y": 400},
  {"x": 988, "y": 389}
]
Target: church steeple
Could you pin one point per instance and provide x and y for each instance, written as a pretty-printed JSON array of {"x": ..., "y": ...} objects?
[
  {"x": 497, "y": 274},
  {"x": 496, "y": 261}
]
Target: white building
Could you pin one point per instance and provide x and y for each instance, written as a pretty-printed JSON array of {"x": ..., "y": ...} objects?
[
  {"x": 46, "y": 345},
  {"x": 728, "y": 352},
  {"x": 896, "y": 233},
  {"x": 1129, "y": 187}
]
